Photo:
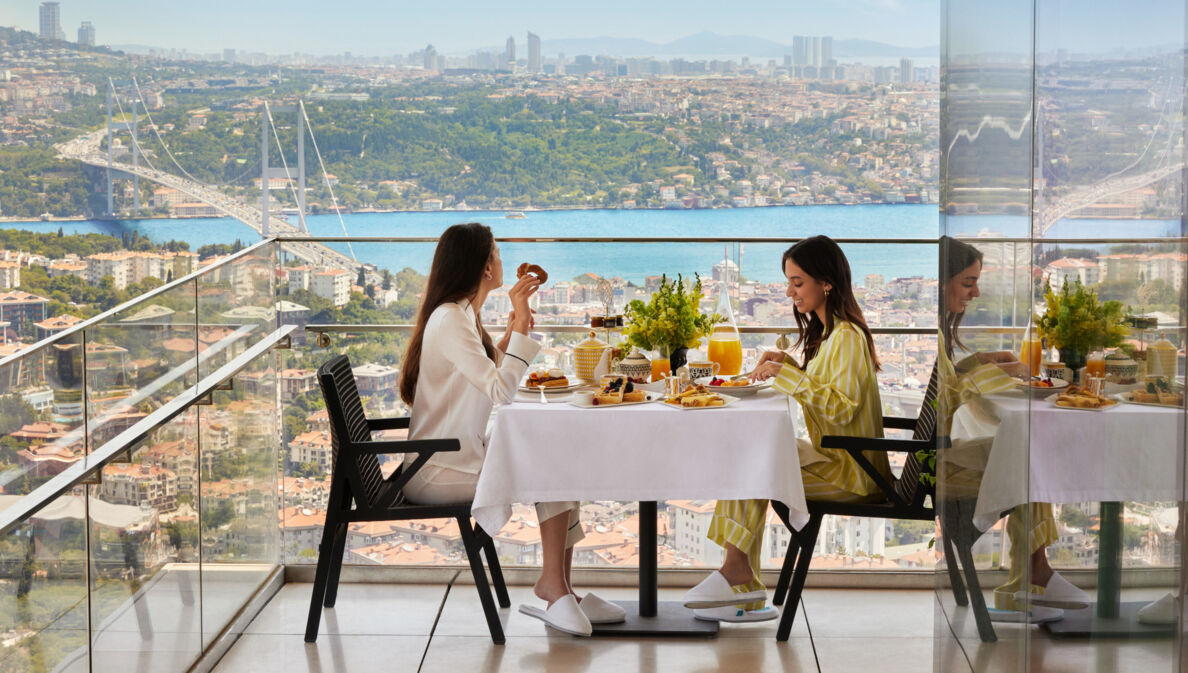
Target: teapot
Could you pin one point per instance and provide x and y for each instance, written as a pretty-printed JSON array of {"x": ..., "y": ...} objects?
[{"x": 586, "y": 356}]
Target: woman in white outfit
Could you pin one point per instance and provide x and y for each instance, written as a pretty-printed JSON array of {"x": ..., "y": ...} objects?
[{"x": 452, "y": 376}]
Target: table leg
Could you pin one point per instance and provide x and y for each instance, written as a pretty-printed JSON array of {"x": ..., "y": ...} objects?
[
  {"x": 649, "y": 617},
  {"x": 1110, "y": 618},
  {"x": 648, "y": 583},
  {"x": 1109, "y": 561}
]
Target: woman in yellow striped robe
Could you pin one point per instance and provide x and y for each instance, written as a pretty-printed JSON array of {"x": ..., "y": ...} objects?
[
  {"x": 1031, "y": 527},
  {"x": 838, "y": 394}
]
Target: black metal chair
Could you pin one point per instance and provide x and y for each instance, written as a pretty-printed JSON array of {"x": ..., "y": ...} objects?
[
  {"x": 903, "y": 499},
  {"x": 359, "y": 492}
]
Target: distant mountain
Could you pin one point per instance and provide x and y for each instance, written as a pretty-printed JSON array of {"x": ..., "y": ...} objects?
[
  {"x": 712, "y": 43},
  {"x": 870, "y": 49}
]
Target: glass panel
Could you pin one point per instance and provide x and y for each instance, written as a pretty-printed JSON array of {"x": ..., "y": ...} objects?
[
  {"x": 145, "y": 602},
  {"x": 236, "y": 305},
  {"x": 43, "y": 595},
  {"x": 984, "y": 307},
  {"x": 240, "y": 537},
  {"x": 139, "y": 359}
]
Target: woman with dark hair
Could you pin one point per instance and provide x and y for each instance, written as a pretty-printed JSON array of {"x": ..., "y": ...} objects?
[
  {"x": 452, "y": 376},
  {"x": 838, "y": 393},
  {"x": 1030, "y": 528}
]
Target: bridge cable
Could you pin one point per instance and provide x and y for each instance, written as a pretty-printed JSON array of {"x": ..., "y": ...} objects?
[
  {"x": 161, "y": 140},
  {"x": 325, "y": 179}
]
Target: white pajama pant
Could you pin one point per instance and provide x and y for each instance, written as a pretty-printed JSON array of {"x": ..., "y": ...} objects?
[{"x": 434, "y": 485}]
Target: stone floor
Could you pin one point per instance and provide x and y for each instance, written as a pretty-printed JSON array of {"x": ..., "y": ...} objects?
[{"x": 392, "y": 628}]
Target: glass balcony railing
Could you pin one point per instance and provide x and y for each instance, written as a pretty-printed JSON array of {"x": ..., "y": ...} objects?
[{"x": 163, "y": 454}]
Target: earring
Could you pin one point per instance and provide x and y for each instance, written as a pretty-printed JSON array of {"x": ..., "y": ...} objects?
[{"x": 488, "y": 276}]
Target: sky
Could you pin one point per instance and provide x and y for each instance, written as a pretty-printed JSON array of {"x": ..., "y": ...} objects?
[
  {"x": 459, "y": 27},
  {"x": 383, "y": 27}
]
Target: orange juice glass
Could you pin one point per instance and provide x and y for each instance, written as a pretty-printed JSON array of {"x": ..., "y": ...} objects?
[
  {"x": 1095, "y": 364},
  {"x": 726, "y": 350},
  {"x": 1032, "y": 353},
  {"x": 661, "y": 368}
]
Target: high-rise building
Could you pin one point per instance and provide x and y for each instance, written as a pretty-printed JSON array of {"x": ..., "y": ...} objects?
[
  {"x": 229, "y": 55},
  {"x": 827, "y": 52},
  {"x": 799, "y": 50},
  {"x": 51, "y": 24},
  {"x": 509, "y": 53},
  {"x": 815, "y": 51},
  {"x": 905, "y": 71},
  {"x": 534, "y": 64},
  {"x": 86, "y": 34},
  {"x": 430, "y": 61}
]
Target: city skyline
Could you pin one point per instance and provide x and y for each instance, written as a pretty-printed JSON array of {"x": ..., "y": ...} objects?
[{"x": 312, "y": 27}]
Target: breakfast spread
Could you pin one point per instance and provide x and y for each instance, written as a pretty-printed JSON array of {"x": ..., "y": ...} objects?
[
  {"x": 549, "y": 378},
  {"x": 696, "y": 396},
  {"x": 1076, "y": 397},
  {"x": 533, "y": 269},
  {"x": 618, "y": 391},
  {"x": 1158, "y": 391},
  {"x": 730, "y": 383}
]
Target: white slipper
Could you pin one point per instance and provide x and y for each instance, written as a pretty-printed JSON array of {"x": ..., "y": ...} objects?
[
  {"x": 564, "y": 615},
  {"x": 736, "y": 615},
  {"x": 1162, "y": 611},
  {"x": 1037, "y": 615},
  {"x": 715, "y": 592},
  {"x": 1059, "y": 593},
  {"x": 600, "y": 611}
]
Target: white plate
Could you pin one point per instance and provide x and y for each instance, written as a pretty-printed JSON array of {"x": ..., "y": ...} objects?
[
  {"x": 736, "y": 391},
  {"x": 727, "y": 401},
  {"x": 1125, "y": 397},
  {"x": 1057, "y": 384},
  {"x": 1052, "y": 399},
  {"x": 554, "y": 390},
  {"x": 650, "y": 397}
]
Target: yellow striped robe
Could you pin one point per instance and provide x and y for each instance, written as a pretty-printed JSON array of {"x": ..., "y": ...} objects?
[{"x": 839, "y": 395}]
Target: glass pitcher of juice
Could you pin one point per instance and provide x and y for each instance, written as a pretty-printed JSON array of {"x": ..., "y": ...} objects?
[
  {"x": 1031, "y": 353},
  {"x": 725, "y": 346}
]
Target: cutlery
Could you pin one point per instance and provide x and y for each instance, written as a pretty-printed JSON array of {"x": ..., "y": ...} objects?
[{"x": 739, "y": 377}]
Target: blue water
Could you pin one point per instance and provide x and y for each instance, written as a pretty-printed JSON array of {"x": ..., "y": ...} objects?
[{"x": 636, "y": 261}]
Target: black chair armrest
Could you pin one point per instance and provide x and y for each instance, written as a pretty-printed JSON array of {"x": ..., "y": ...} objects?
[
  {"x": 852, "y": 444},
  {"x": 394, "y": 423},
  {"x": 899, "y": 423},
  {"x": 421, "y": 446}
]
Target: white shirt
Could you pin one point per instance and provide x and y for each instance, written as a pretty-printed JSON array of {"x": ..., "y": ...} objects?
[{"x": 458, "y": 384}]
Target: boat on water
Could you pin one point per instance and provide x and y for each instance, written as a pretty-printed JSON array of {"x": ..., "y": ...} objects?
[{"x": 514, "y": 215}]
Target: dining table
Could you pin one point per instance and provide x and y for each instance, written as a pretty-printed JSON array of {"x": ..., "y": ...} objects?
[
  {"x": 1040, "y": 452},
  {"x": 646, "y": 453}
]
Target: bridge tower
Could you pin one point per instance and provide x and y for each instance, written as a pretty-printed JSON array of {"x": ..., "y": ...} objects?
[
  {"x": 123, "y": 125},
  {"x": 267, "y": 172}
]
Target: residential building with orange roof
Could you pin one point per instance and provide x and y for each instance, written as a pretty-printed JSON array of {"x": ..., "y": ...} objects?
[
  {"x": 301, "y": 530},
  {"x": 139, "y": 485},
  {"x": 398, "y": 553},
  {"x": 368, "y": 533},
  {"x": 312, "y": 447},
  {"x": 46, "y": 460},
  {"x": 52, "y": 325}
]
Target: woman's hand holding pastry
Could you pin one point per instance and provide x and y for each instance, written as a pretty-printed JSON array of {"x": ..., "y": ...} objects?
[{"x": 520, "y": 318}]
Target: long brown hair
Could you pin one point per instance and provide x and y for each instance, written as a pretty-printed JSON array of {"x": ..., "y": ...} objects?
[
  {"x": 822, "y": 258},
  {"x": 955, "y": 256},
  {"x": 462, "y": 253}
]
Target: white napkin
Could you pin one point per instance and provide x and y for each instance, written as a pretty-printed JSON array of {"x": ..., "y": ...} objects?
[{"x": 603, "y": 367}]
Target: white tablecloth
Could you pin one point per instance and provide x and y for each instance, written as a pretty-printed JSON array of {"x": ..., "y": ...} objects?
[
  {"x": 647, "y": 452},
  {"x": 1128, "y": 452}
]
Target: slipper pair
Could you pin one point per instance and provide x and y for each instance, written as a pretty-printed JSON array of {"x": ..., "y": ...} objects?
[
  {"x": 715, "y": 592},
  {"x": 566, "y": 614}
]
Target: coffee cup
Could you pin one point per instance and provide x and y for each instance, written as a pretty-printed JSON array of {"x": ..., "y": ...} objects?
[
  {"x": 698, "y": 370},
  {"x": 583, "y": 397},
  {"x": 1054, "y": 370}
]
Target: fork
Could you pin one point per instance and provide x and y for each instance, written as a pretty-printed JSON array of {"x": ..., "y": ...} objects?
[
  {"x": 739, "y": 377},
  {"x": 543, "y": 399}
]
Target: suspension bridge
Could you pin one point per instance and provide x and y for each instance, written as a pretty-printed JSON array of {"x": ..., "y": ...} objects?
[{"x": 88, "y": 149}]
